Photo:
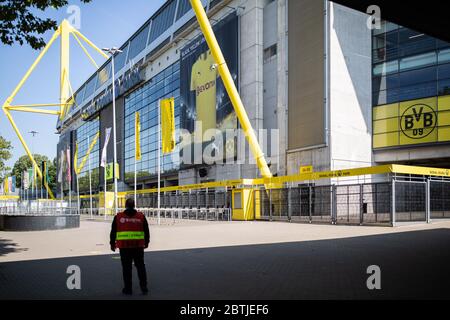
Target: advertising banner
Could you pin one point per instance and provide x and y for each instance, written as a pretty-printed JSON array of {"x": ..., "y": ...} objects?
[
  {"x": 168, "y": 125},
  {"x": 421, "y": 121},
  {"x": 110, "y": 171},
  {"x": 205, "y": 105}
]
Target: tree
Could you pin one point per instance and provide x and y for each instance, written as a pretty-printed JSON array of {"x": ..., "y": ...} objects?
[
  {"x": 24, "y": 163},
  {"x": 19, "y": 23},
  {"x": 5, "y": 155}
]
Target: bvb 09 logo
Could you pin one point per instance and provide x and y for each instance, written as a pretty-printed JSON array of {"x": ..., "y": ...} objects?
[{"x": 418, "y": 121}]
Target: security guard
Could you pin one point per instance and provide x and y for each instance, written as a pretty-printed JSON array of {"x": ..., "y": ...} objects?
[{"x": 130, "y": 233}]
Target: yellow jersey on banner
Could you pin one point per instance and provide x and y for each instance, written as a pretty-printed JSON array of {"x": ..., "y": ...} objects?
[
  {"x": 168, "y": 125},
  {"x": 203, "y": 82},
  {"x": 137, "y": 135}
]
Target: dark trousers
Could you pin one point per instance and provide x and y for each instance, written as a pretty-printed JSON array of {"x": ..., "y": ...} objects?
[{"x": 127, "y": 256}]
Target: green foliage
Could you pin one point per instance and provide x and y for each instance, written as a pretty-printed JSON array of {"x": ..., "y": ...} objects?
[
  {"x": 19, "y": 22},
  {"x": 5, "y": 155},
  {"x": 24, "y": 163}
]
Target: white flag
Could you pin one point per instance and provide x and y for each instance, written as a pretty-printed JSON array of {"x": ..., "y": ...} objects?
[
  {"x": 105, "y": 146},
  {"x": 26, "y": 182},
  {"x": 61, "y": 162}
]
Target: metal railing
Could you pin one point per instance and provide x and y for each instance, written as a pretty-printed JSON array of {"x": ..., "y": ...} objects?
[
  {"x": 205, "y": 214},
  {"x": 33, "y": 207},
  {"x": 399, "y": 199}
]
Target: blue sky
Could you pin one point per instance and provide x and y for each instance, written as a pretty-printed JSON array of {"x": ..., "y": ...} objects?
[{"x": 107, "y": 23}]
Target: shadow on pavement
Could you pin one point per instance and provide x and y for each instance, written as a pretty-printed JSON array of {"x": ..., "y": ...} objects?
[
  {"x": 413, "y": 265},
  {"x": 7, "y": 247}
]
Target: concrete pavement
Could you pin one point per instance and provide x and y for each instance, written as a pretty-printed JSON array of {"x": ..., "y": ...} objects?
[{"x": 234, "y": 260}]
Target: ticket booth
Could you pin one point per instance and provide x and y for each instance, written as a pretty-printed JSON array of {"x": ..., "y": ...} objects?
[
  {"x": 109, "y": 202},
  {"x": 245, "y": 204}
]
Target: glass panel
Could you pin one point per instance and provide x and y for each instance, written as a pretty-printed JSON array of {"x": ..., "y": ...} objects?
[
  {"x": 183, "y": 7},
  {"x": 386, "y": 26},
  {"x": 417, "y": 91},
  {"x": 418, "y": 61},
  {"x": 119, "y": 59},
  {"x": 85, "y": 135},
  {"x": 418, "y": 76},
  {"x": 385, "y": 68},
  {"x": 90, "y": 87},
  {"x": 79, "y": 96},
  {"x": 162, "y": 21},
  {"x": 385, "y": 97},
  {"x": 444, "y": 87},
  {"x": 444, "y": 71},
  {"x": 138, "y": 43},
  {"x": 444, "y": 56},
  {"x": 147, "y": 104},
  {"x": 385, "y": 82},
  {"x": 412, "y": 42},
  {"x": 103, "y": 75}
]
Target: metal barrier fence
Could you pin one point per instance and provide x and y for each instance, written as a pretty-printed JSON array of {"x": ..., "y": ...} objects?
[
  {"x": 414, "y": 200},
  {"x": 33, "y": 207},
  {"x": 440, "y": 199},
  {"x": 394, "y": 199},
  {"x": 206, "y": 214}
]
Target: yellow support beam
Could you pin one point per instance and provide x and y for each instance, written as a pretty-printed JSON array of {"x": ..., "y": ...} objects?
[
  {"x": 230, "y": 86},
  {"x": 39, "y": 105},
  {"x": 31, "y": 110},
  {"x": 91, "y": 147},
  {"x": 93, "y": 46},
  {"x": 85, "y": 51},
  {"x": 31, "y": 69},
  {"x": 63, "y": 32},
  {"x": 27, "y": 150}
]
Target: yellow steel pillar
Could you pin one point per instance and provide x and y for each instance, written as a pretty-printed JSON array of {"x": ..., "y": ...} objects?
[
  {"x": 64, "y": 66},
  {"x": 64, "y": 31},
  {"x": 232, "y": 91}
]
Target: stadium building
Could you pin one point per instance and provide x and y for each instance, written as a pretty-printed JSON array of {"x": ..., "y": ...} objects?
[{"x": 330, "y": 92}]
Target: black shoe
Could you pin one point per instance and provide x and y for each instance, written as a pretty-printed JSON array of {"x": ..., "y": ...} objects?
[
  {"x": 127, "y": 291},
  {"x": 144, "y": 290}
]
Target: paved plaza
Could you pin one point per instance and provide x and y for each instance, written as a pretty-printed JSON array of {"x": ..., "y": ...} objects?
[{"x": 233, "y": 260}]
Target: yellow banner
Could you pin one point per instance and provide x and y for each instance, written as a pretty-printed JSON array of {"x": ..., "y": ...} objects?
[
  {"x": 137, "y": 135},
  {"x": 168, "y": 125},
  {"x": 110, "y": 171},
  {"x": 6, "y": 186},
  {"x": 75, "y": 159}
]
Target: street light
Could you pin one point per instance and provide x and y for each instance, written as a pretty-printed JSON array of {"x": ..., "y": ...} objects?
[{"x": 112, "y": 51}]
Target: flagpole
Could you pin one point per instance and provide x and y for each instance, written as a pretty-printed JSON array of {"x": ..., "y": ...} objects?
[
  {"x": 70, "y": 180},
  {"x": 159, "y": 162},
  {"x": 78, "y": 193},
  {"x": 90, "y": 181},
  {"x": 104, "y": 163},
  {"x": 60, "y": 179},
  {"x": 104, "y": 180},
  {"x": 135, "y": 180}
]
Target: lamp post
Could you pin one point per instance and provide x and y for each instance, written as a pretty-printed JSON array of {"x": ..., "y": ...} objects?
[{"x": 112, "y": 51}]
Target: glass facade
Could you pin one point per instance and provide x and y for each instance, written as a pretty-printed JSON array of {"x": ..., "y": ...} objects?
[
  {"x": 149, "y": 33},
  {"x": 85, "y": 135},
  {"x": 410, "y": 81},
  {"x": 408, "y": 65},
  {"x": 145, "y": 100}
]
